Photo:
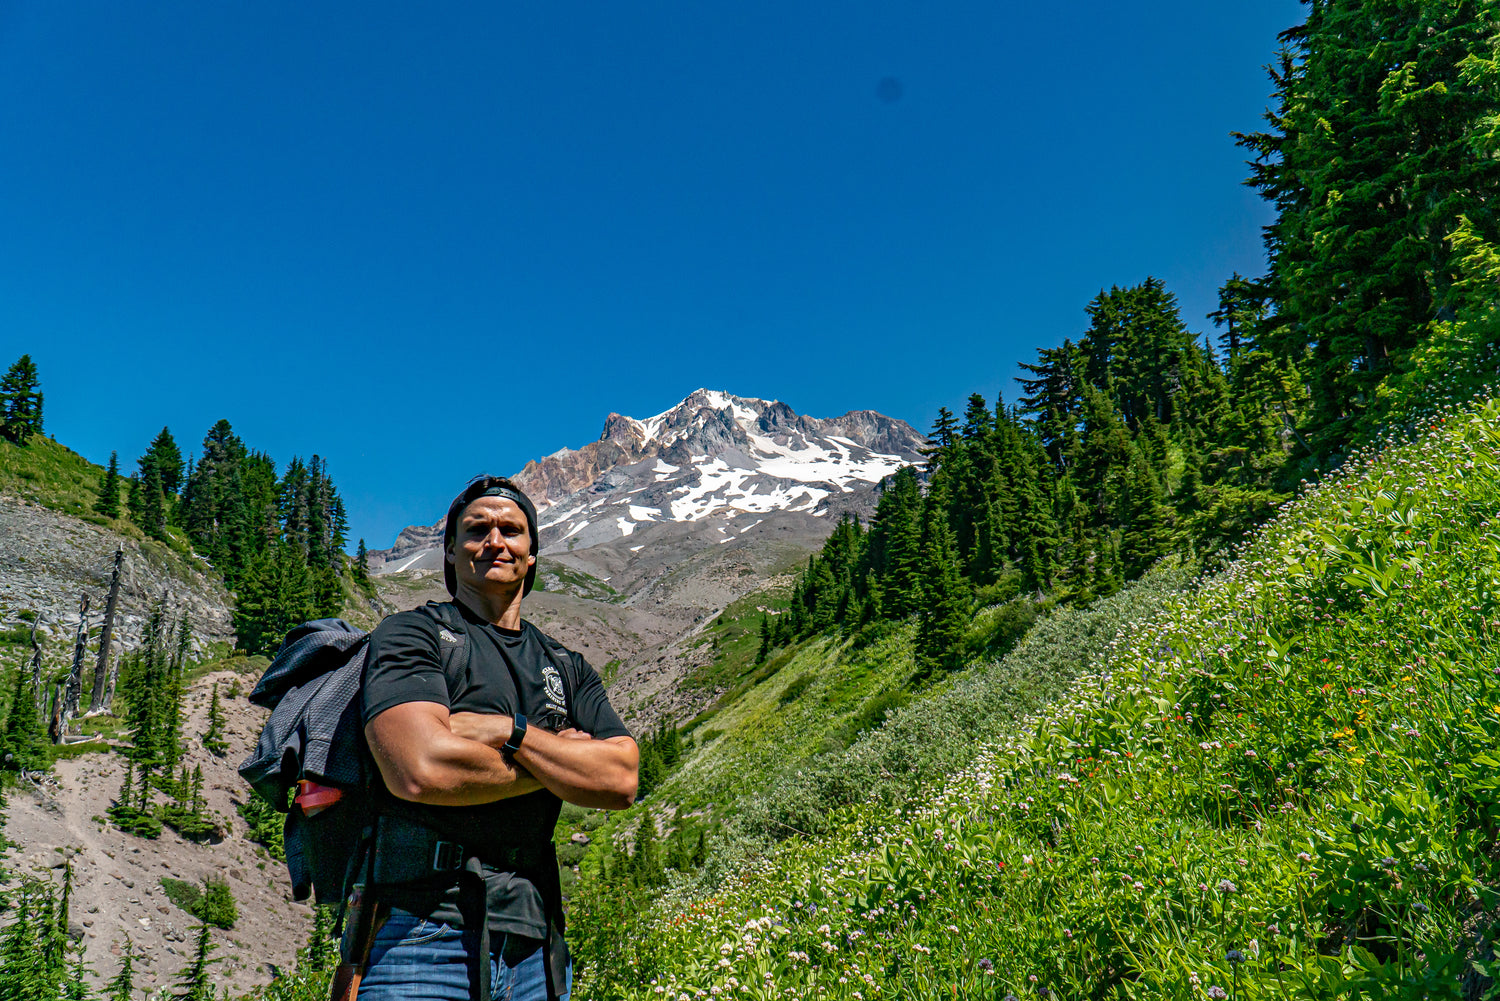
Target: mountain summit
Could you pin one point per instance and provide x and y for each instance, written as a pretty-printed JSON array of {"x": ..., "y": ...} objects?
[{"x": 729, "y": 460}]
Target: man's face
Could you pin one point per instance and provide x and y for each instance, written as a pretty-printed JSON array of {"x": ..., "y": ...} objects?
[{"x": 492, "y": 548}]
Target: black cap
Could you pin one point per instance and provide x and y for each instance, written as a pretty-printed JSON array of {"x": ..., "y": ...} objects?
[{"x": 488, "y": 486}]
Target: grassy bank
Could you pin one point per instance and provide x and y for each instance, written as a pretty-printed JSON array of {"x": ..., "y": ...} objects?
[{"x": 1284, "y": 784}]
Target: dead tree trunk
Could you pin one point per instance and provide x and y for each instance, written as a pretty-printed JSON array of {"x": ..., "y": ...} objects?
[
  {"x": 101, "y": 666},
  {"x": 74, "y": 689},
  {"x": 54, "y": 714},
  {"x": 37, "y": 692},
  {"x": 109, "y": 689}
]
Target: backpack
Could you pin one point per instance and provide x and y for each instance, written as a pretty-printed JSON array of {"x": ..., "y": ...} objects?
[
  {"x": 313, "y": 742},
  {"x": 313, "y": 745}
]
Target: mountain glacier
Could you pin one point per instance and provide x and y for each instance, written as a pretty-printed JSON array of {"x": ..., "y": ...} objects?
[{"x": 721, "y": 460}]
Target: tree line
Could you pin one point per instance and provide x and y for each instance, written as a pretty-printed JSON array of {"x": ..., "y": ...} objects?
[
  {"x": 1134, "y": 441},
  {"x": 1379, "y": 302},
  {"x": 278, "y": 541}
]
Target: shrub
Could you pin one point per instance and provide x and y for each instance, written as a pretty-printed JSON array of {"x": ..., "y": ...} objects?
[{"x": 217, "y": 905}]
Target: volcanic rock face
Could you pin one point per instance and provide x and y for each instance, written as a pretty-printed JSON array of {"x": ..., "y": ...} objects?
[{"x": 713, "y": 457}]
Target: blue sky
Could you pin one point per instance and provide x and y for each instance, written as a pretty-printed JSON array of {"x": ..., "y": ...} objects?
[{"x": 425, "y": 241}]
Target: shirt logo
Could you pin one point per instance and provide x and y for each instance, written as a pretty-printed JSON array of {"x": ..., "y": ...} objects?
[
  {"x": 448, "y": 637},
  {"x": 554, "y": 684}
]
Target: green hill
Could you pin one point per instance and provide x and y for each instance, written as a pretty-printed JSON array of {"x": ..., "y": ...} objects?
[
  {"x": 1281, "y": 784},
  {"x": 52, "y": 475}
]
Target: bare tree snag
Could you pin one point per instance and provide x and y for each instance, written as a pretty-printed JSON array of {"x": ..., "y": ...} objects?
[
  {"x": 101, "y": 666},
  {"x": 74, "y": 689},
  {"x": 109, "y": 689}
]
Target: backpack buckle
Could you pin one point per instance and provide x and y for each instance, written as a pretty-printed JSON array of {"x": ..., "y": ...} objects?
[{"x": 447, "y": 856}]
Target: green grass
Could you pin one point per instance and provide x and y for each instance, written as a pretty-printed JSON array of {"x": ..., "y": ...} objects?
[
  {"x": 555, "y": 576},
  {"x": 1282, "y": 784},
  {"x": 54, "y": 476},
  {"x": 735, "y": 636}
]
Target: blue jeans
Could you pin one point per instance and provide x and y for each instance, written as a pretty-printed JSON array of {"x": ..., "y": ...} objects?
[{"x": 414, "y": 959}]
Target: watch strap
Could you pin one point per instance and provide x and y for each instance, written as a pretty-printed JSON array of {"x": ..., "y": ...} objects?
[{"x": 517, "y": 734}]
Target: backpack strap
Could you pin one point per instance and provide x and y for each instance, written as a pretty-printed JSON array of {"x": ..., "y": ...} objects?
[{"x": 453, "y": 633}]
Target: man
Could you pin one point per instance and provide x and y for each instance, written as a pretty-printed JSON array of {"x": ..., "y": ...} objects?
[{"x": 476, "y": 763}]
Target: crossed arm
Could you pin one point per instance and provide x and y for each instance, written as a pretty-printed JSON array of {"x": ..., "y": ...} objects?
[{"x": 428, "y": 755}]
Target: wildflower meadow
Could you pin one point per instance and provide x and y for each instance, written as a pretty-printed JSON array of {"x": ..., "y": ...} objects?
[{"x": 1284, "y": 783}]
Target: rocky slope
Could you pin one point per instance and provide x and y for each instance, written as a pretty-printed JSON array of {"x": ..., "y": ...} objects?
[
  {"x": 117, "y": 876},
  {"x": 47, "y": 559}
]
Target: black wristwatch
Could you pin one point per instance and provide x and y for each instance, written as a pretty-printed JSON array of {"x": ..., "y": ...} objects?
[{"x": 517, "y": 734}]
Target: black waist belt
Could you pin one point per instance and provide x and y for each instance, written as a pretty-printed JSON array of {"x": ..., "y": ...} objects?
[
  {"x": 410, "y": 852},
  {"x": 407, "y": 852}
]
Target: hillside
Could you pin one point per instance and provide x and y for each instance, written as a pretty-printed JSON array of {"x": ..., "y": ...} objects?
[
  {"x": 1280, "y": 784},
  {"x": 52, "y": 549},
  {"x": 118, "y": 885}
]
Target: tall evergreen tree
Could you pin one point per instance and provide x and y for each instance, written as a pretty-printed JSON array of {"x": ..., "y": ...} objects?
[
  {"x": 166, "y": 457},
  {"x": 20, "y": 401},
  {"x": 945, "y": 610},
  {"x": 213, "y": 735},
  {"x": 108, "y": 503},
  {"x": 25, "y": 741},
  {"x": 1380, "y": 142},
  {"x": 1144, "y": 518},
  {"x": 361, "y": 568},
  {"x": 151, "y": 504},
  {"x": 895, "y": 546},
  {"x": 944, "y": 430},
  {"x": 276, "y": 594}
]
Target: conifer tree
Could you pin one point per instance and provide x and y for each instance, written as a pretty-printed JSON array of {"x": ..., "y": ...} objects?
[
  {"x": 166, "y": 458},
  {"x": 895, "y": 544},
  {"x": 56, "y": 945},
  {"x": 647, "y": 858},
  {"x": 765, "y": 639},
  {"x": 361, "y": 568},
  {"x": 20, "y": 401},
  {"x": 109, "y": 491},
  {"x": 945, "y": 610},
  {"x": 1144, "y": 519},
  {"x": 213, "y": 736},
  {"x": 275, "y": 595},
  {"x": 944, "y": 430},
  {"x": 1380, "y": 142},
  {"x": 25, "y": 741},
  {"x": 150, "y": 512},
  {"x": 121, "y": 986},
  {"x": 194, "y": 983},
  {"x": 1103, "y": 455},
  {"x": 1054, "y": 400},
  {"x": 76, "y": 986},
  {"x": 24, "y": 975}
]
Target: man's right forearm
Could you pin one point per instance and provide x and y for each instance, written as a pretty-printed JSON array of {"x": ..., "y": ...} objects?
[{"x": 423, "y": 761}]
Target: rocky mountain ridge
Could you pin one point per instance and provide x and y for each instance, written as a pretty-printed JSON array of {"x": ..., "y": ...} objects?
[{"x": 727, "y": 460}]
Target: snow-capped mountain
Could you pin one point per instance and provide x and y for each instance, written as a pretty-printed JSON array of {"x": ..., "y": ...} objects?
[{"x": 725, "y": 461}]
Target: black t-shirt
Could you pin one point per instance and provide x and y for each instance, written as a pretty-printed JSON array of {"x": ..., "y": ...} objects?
[{"x": 509, "y": 672}]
